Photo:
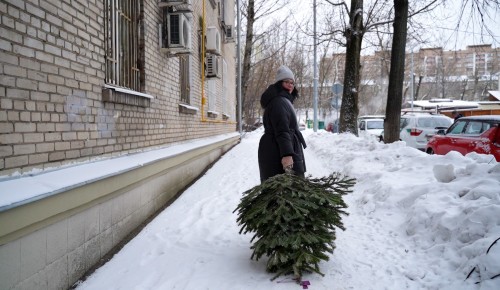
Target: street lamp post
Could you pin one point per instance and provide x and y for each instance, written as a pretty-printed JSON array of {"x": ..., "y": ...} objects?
[
  {"x": 411, "y": 80},
  {"x": 315, "y": 78},
  {"x": 238, "y": 67}
]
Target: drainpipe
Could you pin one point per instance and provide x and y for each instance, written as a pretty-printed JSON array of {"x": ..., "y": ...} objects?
[
  {"x": 203, "y": 34},
  {"x": 203, "y": 97}
]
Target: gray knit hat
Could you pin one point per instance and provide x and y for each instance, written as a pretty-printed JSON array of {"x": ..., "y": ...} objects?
[{"x": 284, "y": 73}]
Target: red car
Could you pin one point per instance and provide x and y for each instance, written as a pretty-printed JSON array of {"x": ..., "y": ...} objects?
[{"x": 480, "y": 134}]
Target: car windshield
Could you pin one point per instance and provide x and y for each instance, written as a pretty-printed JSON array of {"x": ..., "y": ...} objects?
[
  {"x": 457, "y": 128},
  {"x": 433, "y": 122},
  {"x": 378, "y": 124}
]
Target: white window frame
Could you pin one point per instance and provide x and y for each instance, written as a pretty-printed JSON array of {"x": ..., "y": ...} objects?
[{"x": 224, "y": 87}]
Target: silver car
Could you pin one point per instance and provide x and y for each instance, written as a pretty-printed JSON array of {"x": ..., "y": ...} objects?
[{"x": 418, "y": 128}]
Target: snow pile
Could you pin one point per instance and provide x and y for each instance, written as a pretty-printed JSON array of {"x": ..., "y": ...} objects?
[{"x": 449, "y": 205}]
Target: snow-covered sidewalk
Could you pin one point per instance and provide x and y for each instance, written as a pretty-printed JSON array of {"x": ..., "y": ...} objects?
[{"x": 416, "y": 222}]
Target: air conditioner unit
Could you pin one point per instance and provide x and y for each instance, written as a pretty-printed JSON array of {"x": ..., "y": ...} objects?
[
  {"x": 178, "y": 32},
  {"x": 229, "y": 33},
  {"x": 212, "y": 43},
  {"x": 168, "y": 3},
  {"x": 213, "y": 66}
]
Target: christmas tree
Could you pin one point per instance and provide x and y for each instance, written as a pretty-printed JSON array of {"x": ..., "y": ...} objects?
[{"x": 294, "y": 220}]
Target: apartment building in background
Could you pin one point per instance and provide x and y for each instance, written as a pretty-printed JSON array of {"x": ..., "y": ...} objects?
[
  {"x": 467, "y": 74},
  {"x": 108, "y": 109}
]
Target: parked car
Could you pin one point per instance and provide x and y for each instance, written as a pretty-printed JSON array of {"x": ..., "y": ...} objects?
[
  {"x": 302, "y": 125},
  {"x": 332, "y": 127},
  {"x": 418, "y": 127},
  {"x": 371, "y": 126},
  {"x": 480, "y": 134}
]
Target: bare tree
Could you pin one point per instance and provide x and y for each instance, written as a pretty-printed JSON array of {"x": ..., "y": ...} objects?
[
  {"x": 479, "y": 11},
  {"x": 264, "y": 63},
  {"x": 378, "y": 14},
  {"x": 329, "y": 73},
  {"x": 254, "y": 10},
  {"x": 396, "y": 76},
  {"x": 348, "y": 27},
  {"x": 375, "y": 75},
  {"x": 271, "y": 49},
  {"x": 354, "y": 36}
]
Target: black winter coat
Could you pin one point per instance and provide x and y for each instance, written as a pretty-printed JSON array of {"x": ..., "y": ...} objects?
[{"x": 282, "y": 136}]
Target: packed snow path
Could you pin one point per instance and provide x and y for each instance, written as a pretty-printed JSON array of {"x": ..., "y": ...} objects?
[{"x": 389, "y": 242}]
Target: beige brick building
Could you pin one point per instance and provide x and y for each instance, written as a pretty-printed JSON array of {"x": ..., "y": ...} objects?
[
  {"x": 88, "y": 82},
  {"x": 79, "y": 81}
]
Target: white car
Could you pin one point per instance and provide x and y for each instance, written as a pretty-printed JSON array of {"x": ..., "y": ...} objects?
[
  {"x": 370, "y": 126},
  {"x": 418, "y": 128}
]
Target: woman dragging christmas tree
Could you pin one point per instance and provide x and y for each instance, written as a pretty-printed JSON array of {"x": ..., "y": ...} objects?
[{"x": 280, "y": 148}]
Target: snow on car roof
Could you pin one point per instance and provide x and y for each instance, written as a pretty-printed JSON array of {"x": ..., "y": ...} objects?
[
  {"x": 372, "y": 117},
  {"x": 444, "y": 103}
]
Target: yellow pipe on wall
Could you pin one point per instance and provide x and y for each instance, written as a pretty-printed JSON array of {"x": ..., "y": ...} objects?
[
  {"x": 203, "y": 32},
  {"x": 203, "y": 97}
]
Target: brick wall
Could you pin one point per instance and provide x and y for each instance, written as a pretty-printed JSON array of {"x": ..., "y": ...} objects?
[{"x": 52, "y": 68}]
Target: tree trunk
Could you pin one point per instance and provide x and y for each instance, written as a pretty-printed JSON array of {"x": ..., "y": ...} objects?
[
  {"x": 420, "y": 78},
  {"x": 464, "y": 89},
  {"x": 396, "y": 76},
  {"x": 354, "y": 36},
  {"x": 247, "y": 54},
  {"x": 474, "y": 90}
]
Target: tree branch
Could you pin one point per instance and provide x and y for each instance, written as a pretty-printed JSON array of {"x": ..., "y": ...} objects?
[
  {"x": 343, "y": 4},
  {"x": 426, "y": 8}
]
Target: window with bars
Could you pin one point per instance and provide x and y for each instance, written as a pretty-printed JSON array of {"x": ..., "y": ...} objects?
[{"x": 122, "y": 43}]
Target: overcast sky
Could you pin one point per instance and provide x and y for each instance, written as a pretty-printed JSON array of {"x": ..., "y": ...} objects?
[{"x": 470, "y": 31}]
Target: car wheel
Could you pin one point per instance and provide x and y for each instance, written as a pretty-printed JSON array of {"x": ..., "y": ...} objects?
[{"x": 430, "y": 151}]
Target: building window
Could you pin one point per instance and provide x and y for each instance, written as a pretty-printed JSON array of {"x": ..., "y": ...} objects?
[
  {"x": 122, "y": 43},
  {"x": 225, "y": 92},
  {"x": 185, "y": 78},
  {"x": 212, "y": 95}
]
